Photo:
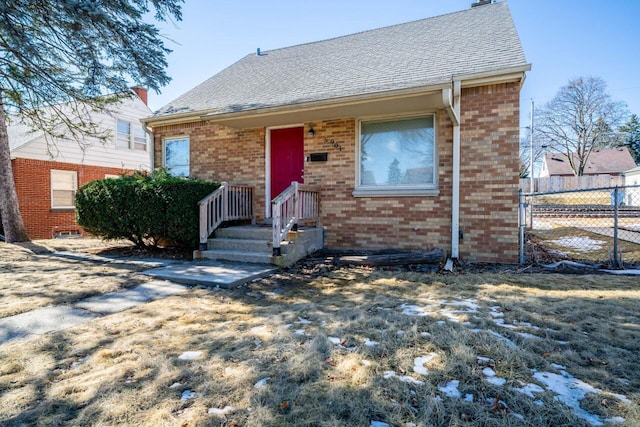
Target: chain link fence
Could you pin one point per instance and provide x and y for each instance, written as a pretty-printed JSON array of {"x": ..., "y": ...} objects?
[{"x": 599, "y": 226}]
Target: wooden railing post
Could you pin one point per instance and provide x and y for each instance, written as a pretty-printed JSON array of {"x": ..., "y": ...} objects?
[
  {"x": 296, "y": 201},
  {"x": 204, "y": 220}
]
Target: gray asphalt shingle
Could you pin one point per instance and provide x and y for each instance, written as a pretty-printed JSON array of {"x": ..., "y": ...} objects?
[{"x": 420, "y": 53}]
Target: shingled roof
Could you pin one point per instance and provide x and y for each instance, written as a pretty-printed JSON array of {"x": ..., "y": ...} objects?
[
  {"x": 610, "y": 161},
  {"x": 412, "y": 55}
]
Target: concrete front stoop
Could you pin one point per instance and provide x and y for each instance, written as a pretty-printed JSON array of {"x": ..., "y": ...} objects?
[{"x": 254, "y": 244}]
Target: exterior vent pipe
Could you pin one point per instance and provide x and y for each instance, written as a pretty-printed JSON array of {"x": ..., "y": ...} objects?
[
  {"x": 481, "y": 3},
  {"x": 258, "y": 52}
]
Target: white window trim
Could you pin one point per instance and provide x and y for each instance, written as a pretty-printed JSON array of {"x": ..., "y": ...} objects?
[
  {"x": 75, "y": 186},
  {"x": 390, "y": 190},
  {"x": 164, "y": 150},
  {"x": 132, "y": 141}
]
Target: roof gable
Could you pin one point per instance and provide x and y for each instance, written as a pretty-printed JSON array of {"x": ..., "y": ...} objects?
[
  {"x": 609, "y": 161},
  {"x": 427, "y": 52}
]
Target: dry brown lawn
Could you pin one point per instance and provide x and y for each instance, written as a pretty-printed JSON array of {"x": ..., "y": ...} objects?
[
  {"x": 320, "y": 345},
  {"x": 31, "y": 278}
]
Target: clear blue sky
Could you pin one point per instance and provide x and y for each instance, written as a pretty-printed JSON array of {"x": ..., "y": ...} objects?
[{"x": 562, "y": 39}]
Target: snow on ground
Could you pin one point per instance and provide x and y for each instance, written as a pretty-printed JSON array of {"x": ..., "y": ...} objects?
[
  {"x": 450, "y": 389},
  {"x": 190, "y": 355},
  {"x": 220, "y": 411},
  {"x": 419, "y": 362},
  {"x": 568, "y": 390},
  {"x": 581, "y": 243}
]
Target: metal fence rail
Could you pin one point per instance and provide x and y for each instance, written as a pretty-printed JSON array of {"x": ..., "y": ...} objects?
[{"x": 597, "y": 225}]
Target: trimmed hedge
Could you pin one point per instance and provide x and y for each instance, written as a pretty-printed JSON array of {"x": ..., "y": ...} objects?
[{"x": 145, "y": 209}]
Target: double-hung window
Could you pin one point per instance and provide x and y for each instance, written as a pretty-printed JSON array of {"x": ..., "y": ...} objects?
[
  {"x": 176, "y": 156},
  {"x": 130, "y": 135},
  {"x": 64, "y": 185},
  {"x": 397, "y": 157}
]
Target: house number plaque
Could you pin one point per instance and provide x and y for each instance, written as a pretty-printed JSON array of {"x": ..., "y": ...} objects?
[{"x": 333, "y": 143}]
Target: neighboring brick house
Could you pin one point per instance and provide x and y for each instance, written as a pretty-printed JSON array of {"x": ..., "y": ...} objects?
[
  {"x": 410, "y": 132},
  {"x": 612, "y": 162},
  {"x": 48, "y": 175}
]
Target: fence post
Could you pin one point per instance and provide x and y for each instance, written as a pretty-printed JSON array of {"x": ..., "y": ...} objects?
[
  {"x": 521, "y": 225},
  {"x": 617, "y": 262}
]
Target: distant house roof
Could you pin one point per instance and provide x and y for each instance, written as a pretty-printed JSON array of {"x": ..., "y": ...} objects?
[
  {"x": 479, "y": 41},
  {"x": 610, "y": 161}
]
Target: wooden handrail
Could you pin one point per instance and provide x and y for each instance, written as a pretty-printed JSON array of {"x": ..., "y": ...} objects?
[
  {"x": 294, "y": 204},
  {"x": 227, "y": 203}
]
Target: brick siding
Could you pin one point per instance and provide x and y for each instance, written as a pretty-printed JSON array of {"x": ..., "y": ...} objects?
[
  {"x": 488, "y": 181},
  {"x": 33, "y": 185}
]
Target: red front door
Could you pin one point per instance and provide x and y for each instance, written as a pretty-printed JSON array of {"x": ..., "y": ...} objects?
[{"x": 287, "y": 158}]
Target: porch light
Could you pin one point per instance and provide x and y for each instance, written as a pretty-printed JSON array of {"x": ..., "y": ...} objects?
[{"x": 311, "y": 132}]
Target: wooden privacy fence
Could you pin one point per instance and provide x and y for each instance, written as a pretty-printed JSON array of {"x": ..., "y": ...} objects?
[
  {"x": 227, "y": 203},
  {"x": 566, "y": 183}
]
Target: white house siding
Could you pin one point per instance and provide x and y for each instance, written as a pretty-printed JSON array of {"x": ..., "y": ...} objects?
[{"x": 97, "y": 153}]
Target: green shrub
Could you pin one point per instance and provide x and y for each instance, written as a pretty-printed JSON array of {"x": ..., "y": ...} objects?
[{"x": 145, "y": 209}]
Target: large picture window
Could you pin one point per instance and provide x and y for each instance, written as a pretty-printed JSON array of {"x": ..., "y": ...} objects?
[
  {"x": 64, "y": 185},
  {"x": 176, "y": 156},
  {"x": 397, "y": 156}
]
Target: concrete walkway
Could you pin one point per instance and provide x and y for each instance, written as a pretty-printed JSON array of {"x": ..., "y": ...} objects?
[{"x": 175, "y": 274}]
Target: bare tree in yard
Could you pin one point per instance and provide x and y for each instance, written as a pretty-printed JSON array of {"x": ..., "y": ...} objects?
[
  {"x": 61, "y": 59},
  {"x": 525, "y": 153},
  {"x": 580, "y": 119}
]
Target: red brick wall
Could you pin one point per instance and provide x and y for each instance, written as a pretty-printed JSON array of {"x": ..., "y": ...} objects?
[
  {"x": 33, "y": 184},
  {"x": 488, "y": 182}
]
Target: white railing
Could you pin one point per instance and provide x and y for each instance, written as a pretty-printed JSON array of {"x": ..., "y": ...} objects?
[
  {"x": 293, "y": 205},
  {"x": 227, "y": 203}
]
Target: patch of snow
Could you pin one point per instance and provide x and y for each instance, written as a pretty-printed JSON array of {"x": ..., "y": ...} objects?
[
  {"x": 190, "y": 355},
  {"x": 615, "y": 420},
  {"x": 568, "y": 264},
  {"x": 419, "y": 362},
  {"x": 559, "y": 367},
  {"x": 334, "y": 340},
  {"x": 262, "y": 383},
  {"x": 441, "y": 323},
  {"x": 187, "y": 395},
  {"x": 497, "y": 335},
  {"x": 403, "y": 378},
  {"x": 538, "y": 402},
  {"x": 378, "y": 424},
  {"x": 301, "y": 332},
  {"x": 491, "y": 377},
  {"x": 468, "y": 397},
  {"x": 518, "y": 416},
  {"x": 370, "y": 343},
  {"x": 414, "y": 310},
  {"x": 258, "y": 344},
  {"x": 399, "y": 332},
  {"x": 288, "y": 325},
  {"x": 529, "y": 389},
  {"x": 366, "y": 363},
  {"x": 303, "y": 321},
  {"x": 624, "y": 381},
  {"x": 261, "y": 328},
  {"x": 450, "y": 389},
  {"x": 175, "y": 385},
  {"x": 570, "y": 391},
  {"x": 220, "y": 412},
  {"x": 79, "y": 362},
  {"x": 582, "y": 243},
  {"x": 426, "y": 334}
]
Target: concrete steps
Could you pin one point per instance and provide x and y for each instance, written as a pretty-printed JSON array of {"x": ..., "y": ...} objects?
[{"x": 253, "y": 244}]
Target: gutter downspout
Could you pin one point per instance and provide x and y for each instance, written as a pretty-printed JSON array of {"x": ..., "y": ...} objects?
[
  {"x": 152, "y": 148},
  {"x": 451, "y": 100}
]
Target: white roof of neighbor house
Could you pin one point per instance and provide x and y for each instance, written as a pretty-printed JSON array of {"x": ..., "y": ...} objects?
[{"x": 417, "y": 54}]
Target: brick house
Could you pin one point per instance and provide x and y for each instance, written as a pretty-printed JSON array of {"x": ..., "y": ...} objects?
[
  {"x": 48, "y": 173},
  {"x": 408, "y": 133}
]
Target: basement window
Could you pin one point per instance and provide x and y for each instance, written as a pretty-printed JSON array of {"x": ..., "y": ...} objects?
[{"x": 397, "y": 157}]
